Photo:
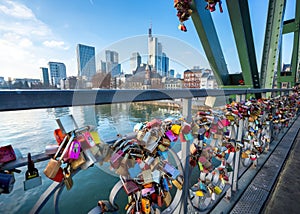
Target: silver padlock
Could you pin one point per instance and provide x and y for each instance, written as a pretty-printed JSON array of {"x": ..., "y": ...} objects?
[{"x": 90, "y": 159}]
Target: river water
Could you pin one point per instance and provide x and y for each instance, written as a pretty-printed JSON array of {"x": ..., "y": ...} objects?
[{"x": 31, "y": 130}]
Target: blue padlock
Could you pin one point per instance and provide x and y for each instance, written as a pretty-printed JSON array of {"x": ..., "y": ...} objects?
[{"x": 7, "y": 181}]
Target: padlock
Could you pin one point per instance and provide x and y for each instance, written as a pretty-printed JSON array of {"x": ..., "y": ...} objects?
[
  {"x": 199, "y": 193},
  {"x": 145, "y": 206},
  {"x": 166, "y": 142},
  {"x": 177, "y": 184},
  {"x": 68, "y": 181},
  {"x": 156, "y": 176},
  {"x": 147, "y": 191},
  {"x": 87, "y": 142},
  {"x": 54, "y": 165},
  {"x": 115, "y": 159},
  {"x": 167, "y": 198},
  {"x": 59, "y": 176},
  {"x": 189, "y": 137},
  {"x": 51, "y": 149},
  {"x": 32, "y": 178},
  {"x": 96, "y": 137},
  {"x": 217, "y": 190},
  {"x": 162, "y": 147},
  {"x": 74, "y": 150},
  {"x": 59, "y": 136},
  {"x": 153, "y": 123},
  {"x": 130, "y": 186},
  {"x": 164, "y": 184},
  {"x": 147, "y": 176},
  {"x": 152, "y": 144},
  {"x": 106, "y": 206},
  {"x": 176, "y": 129},
  {"x": 78, "y": 162},
  {"x": 171, "y": 170},
  {"x": 185, "y": 128},
  {"x": 67, "y": 124},
  {"x": 7, "y": 180},
  {"x": 7, "y": 154},
  {"x": 171, "y": 136},
  {"x": 89, "y": 159},
  {"x": 137, "y": 127},
  {"x": 135, "y": 171},
  {"x": 159, "y": 199}
]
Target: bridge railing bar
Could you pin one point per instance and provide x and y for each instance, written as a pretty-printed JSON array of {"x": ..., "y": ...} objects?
[{"x": 11, "y": 100}]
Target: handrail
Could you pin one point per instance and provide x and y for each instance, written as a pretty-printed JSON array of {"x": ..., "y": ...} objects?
[{"x": 11, "y": 100}]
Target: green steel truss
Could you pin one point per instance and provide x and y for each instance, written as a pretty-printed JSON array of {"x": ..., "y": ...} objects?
[
  {"x": 241, "y": 25},
  {"x": 210, "y": 42}
]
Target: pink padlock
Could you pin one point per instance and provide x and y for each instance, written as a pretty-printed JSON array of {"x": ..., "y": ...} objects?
[
  {"x": 88, "y": 141},
  {"x": 74, "y": 150}
]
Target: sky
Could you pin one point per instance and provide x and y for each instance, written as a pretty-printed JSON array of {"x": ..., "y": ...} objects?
[{"x": 34, "y": 32}]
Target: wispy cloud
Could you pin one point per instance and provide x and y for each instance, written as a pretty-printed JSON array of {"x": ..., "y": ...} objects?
[
  {"x": 16, "y": 10},
  {"x": 25, "y": 41},
  {"x": 55, "y": 44}
]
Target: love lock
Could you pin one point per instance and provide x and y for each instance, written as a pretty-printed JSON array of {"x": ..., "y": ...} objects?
[{"x": 32, "y": 178}]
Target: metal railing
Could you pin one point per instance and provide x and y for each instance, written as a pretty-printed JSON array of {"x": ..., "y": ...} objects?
[{"x": 36, "y": 99}]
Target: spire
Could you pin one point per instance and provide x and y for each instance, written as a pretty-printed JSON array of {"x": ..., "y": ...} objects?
[{"x": 150, "y": 30}]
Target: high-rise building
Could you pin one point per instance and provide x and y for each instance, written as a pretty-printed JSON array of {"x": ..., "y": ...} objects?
[
  {"x": 135, "y": 61},
  {"x": 112, "y": 63},
  {"x": 45, "y": 74},
  {"x": 156, "y": 58},
  {"x": 57, "y": 72},
  {"x": 86, "y": 61},
  {"x": 102, "y": 66},
  {"x": 172, "y": 73},
  {"x": 165, "y": 65}
]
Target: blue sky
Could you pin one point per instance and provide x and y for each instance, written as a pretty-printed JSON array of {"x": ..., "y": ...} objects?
[{"x": 34, "y": 32}]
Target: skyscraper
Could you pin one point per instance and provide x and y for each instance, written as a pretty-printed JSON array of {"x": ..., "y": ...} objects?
[
  {"x": 45, "y": 73},
  {"x": 86, "y": 61},
  {"x": 57, "y": 72},
  {"x": 156, "y": 58},
  {"x": 165, "y": 65},
  {"x": 135, "y": 61},
  {"x": 112, "y": 63}
]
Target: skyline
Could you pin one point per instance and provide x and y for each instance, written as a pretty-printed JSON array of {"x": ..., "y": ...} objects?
[{"x": 36, "y": 32}]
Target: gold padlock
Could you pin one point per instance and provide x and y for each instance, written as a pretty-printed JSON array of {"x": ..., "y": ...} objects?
[
  {"x": 68, "y": 179},
  {"x": 167, "y": 198},
  {"x": 177, "y": 184}
]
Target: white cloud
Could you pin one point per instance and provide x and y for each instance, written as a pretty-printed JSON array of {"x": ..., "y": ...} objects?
[
  {"x": 16, "y": 10},
  {"x": 55, "y": 44},
  {"x": 26, "y": 43}
]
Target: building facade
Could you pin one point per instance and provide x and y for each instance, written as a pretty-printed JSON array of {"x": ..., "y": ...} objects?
[
  {"x": 112, "y": 63},
  {"x": 144, "y": 78},
  {"x": 172, "y": 83},
  {"x": 57, "y": 72},
  {"x": 86, "y": 62},
  {"x": 192, "y": 78},
  {"x": 45, "y": 74},
  {"x": 135, "y": 61}
]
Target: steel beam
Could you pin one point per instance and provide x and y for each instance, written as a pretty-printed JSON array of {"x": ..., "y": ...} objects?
[
  {"x": 241, "y": 25},
  {"x": 289, "y": 26},
  {"x": 296, "y": 47},
  {"x": 273, "y": 35},
  {"x": 208, "y": 36}
]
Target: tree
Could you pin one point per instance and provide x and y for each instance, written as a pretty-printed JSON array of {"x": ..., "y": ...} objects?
[{"x": 101, "y": 80}]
